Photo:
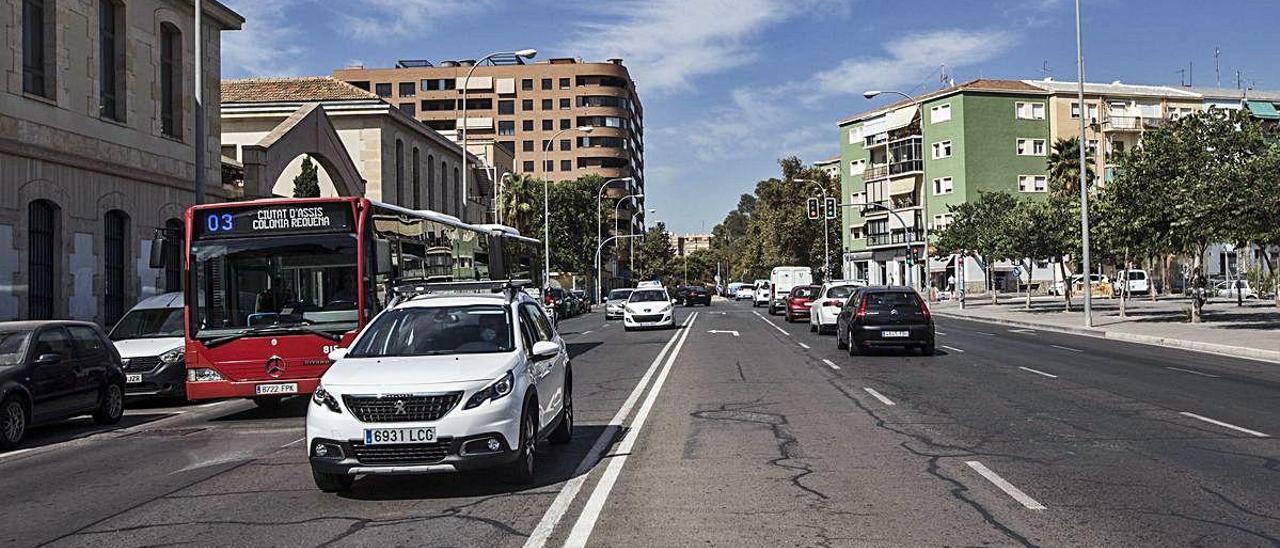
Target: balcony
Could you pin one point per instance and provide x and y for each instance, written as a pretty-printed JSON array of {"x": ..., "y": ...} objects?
[
  {"x": 875, "y": 172},
  {"x": 898, "y": 168},
  {"x": 893, "y": 238},
  {"x": 1131, "y": 123}
]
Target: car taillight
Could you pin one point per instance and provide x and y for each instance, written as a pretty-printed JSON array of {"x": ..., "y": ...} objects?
[
  {"x": 924, "y": 307},
  {"x": 862, "y": 310}
]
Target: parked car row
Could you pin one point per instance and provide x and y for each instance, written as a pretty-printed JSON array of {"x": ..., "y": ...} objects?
[{"x": 567, "y": 303}]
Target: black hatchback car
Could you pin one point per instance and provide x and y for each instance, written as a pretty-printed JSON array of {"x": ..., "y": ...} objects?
[
  {"x": 696, "y": 294},
  {"x": 53, "y": 370},
  {"x": 882, "y": 316}
]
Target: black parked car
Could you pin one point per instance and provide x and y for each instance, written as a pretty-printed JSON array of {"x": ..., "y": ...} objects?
[
  {"x": 53, "y": 370},
  {"x": 696, "y": 294},
  {"x": 885, "y": 316}
]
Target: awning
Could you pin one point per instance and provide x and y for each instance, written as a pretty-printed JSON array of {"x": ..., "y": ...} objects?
[
  {"x": 902, "y": 186},
  {"x": 1263, "y": 109},
  {"x": 941, "y": 265},
  {"x": 900, "y": 118},
  {"x": 857, "y": 256}
]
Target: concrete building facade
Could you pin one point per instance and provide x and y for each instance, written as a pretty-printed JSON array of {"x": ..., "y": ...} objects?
[{"x": 97, "y": 133}]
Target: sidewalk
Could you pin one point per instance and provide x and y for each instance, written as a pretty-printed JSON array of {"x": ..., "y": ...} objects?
[{"x": 1251, "y": 331}]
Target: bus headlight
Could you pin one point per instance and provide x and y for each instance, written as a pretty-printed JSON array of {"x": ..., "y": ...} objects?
[{"x": 202, "y": 374}]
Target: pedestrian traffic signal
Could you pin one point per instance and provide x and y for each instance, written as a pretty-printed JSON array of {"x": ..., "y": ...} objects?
[
  {"x": 831, "y": 208},
  {"x": 813, "y": 208}
]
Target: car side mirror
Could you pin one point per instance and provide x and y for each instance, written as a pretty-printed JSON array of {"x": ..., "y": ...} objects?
[
  {"x": 543, "y": 350},
  {"x": 337, "y": 354},
  {"x": 49, "y": 358}
]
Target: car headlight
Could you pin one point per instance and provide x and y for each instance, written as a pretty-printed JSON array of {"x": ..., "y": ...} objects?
[
  {"x": 173, "y": 356},
  {"x": 202, "y": 374},
  {"x": 495, "y": 391},
  {"x": 665, "y": 308},
  {"x": 323, "y": 397}
]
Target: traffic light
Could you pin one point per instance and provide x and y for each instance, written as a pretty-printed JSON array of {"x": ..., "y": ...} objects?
[
  {"x": 831, "y": 208},
  {"x": 813, "y": 208}
]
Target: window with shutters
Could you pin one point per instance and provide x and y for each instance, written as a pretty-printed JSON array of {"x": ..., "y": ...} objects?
[
  {"x": 173, "y": 261},
  {"x": 42, "y": 259},
  {"x": 170, "y": 81},
  {"x": 115, "y": 252},
  {"x": 111, "y": 60}
]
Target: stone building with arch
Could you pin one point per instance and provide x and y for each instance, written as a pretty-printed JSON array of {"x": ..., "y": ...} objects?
[
  {"x": 97, "y": 133},
  {"x": 363, "y": 146}
]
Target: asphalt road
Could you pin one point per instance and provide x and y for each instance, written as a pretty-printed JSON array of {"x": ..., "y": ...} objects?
[{"x": 735, "y": 430}]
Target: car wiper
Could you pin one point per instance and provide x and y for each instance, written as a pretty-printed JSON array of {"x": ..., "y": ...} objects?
[{"x": 271, "y": 330}]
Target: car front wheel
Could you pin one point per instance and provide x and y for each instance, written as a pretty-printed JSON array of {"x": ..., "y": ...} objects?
[
  {"x": 564, "y": 431},
  {"x": 110, "y": 405},
  {"x": 13, "y": 423},
  {"x": 522, "y": 470}
]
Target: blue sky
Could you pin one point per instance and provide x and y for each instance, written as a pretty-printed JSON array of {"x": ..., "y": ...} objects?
[{"x": 730, "y": 86}]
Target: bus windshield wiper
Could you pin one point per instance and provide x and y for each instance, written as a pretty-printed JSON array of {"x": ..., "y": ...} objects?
[{"x": 271, "y": 330}]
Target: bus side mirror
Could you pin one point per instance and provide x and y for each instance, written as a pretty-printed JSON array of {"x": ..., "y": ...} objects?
[
  {"x": 382, "y": 255},
  {"x": 160, "y": 248}
]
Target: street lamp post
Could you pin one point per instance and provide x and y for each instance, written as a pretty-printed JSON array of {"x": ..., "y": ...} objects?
[
  {"x": 826, "y": 232},
  {"x": 607, "y": 240},
  {"x": 632, "y": 221},
  {"x": 546, "y": 203},
  {"x": 632, "y": 244},
  {"x": 1084, "y": 187},
  {"x": 924, "y": 202},
  {"x": 600, "y": 225},
  {"x": 466, "y": 81}
]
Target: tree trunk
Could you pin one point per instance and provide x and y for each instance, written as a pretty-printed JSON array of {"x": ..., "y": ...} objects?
[
  {"x": 991, "y": 283},
  {"x": 1031, "y": 275},
  {"x": 1151, "y": 287},
  {"x": 1124, "y": 285},
  {"x": 1198, "y": 300},
  {"x": 1066, "y": 282}
]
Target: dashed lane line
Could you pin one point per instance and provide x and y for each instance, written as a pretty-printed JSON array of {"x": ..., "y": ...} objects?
[
  {"x": 1193, "y": 372},
  {"x": 1038, "y": 372},
  {"x": 953, "y": 348},
  {"x": 936, "y": 332},
  {"x": 1067, "y": 348},
  {"x": 1005, "y": 486},
  {"x": 1254, "y": 433},
  {"x": 1023, "y": 331},
  {"x": 803, "y": 345},
  {"x": 831, "y": 364},
  {"x": 771, "y": 324},
  {"x": 879, "y": 396}
]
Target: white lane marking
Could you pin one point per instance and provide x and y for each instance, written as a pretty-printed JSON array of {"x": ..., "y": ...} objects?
[
  {"x": 564, "y": 499},
  {"x": 771, "y": 324},
  {"x": 1023, "y": 331},
  {"x": 985, "y": 333},
  {"x": 1224, "y": 425},
  {"x": 1067, "y": 348},
  {"x": 939, "y": 333},
  {"x": 1193, "y": 372},
  {"x": 716, "y": 331},
  {"x": 587, "y": 332},
  {"x": 803, "y": 345},
  {"x": 830, "y": 363},
  {"x": 953, "y": 348},
  {"x": 581, "y": 531},
  {"x": 1038, "y": 372},
  {"x": 879, "y": 396},
  {"x": 294, "y": 442},
  {"x": 1005, "y": 486}
]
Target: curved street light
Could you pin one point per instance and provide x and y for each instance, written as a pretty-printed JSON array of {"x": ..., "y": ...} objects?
[
  {"x": 466, "y": 81},
  {"x": 600, "y": 224},
  {"x": 546, "y": 203}
]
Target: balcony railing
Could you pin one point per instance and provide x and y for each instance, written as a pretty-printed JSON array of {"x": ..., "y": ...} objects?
[
  {"x": 893, "y": 238},
  {"x": 1131, "y": 123},
  {"x": 898, "y": 168},
  {"x": 875, "y": 172}
]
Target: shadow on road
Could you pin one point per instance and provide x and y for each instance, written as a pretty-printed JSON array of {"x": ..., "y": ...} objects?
[
  {"x": 578, "y": 349},
  {"x": 556, "y": 464},
  {"x": 289, "y": 408},
  {"x": 82, "y": 427}
]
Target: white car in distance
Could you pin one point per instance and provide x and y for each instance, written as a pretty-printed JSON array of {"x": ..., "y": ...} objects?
[
  {"x": 648, "y": 308},
  {"x": 442, "y": 383},
  {"x": 825, "y": 307},
  {"x": 614, "y": 304}
]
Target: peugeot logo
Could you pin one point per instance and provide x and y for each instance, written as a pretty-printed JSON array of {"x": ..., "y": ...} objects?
[
  {"x": 399, "y": 407},
  {"x": 893, "y": 312},
  {"x": 275, "y": 367}
]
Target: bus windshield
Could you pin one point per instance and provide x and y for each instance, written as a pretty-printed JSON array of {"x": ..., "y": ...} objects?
[{"x": 260, "y": 282}]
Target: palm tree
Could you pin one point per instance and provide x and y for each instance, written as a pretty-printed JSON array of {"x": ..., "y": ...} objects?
[
  {"x": 1064, "y": 167},
  {"x": 521, "y": 202}
]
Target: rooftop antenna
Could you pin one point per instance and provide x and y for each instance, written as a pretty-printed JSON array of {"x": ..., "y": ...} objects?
[
  {"x": 1045, "y": 71},
  {"x": 1191, "y": 73},
  {"x": 1182, "y": 76},
  {"x": 1217, "y": 74},
  {"x": 1238, "y": 84},
  {"x": 944, "y": 78}
]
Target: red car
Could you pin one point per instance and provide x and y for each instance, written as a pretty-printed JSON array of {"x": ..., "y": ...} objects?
[{"x": 798, "y": 302}]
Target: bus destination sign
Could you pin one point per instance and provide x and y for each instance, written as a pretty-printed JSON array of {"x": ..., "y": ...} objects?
[{"x": 274, "y": 219}]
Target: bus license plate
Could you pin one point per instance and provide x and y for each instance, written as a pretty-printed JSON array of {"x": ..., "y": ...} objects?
[
  {"x": 895, "y": 334},
  {"x": 285, "y": 388},
  {"x": 133, "y": 379},
  {"x": 391, "y": 436}
]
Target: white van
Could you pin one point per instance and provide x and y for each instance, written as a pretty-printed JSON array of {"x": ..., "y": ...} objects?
[
  {"x": 150, "y": 341},
  {"x": 1139, "y": 284},
  {"x": 781, "y": 280}
]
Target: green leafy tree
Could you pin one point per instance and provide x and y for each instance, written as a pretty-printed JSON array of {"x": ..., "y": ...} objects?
[
  {"x": 307, "y": 183},
  {"x": 983, "y": 228},
  {"x": 1064, "y": 168},
  {"x": 654, "y": 254}
]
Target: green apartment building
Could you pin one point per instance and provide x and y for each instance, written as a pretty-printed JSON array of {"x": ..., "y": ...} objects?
[{"x": 914, "y": 158}]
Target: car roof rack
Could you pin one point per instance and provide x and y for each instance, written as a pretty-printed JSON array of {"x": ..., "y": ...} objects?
[{"x": 407, "y": 289}]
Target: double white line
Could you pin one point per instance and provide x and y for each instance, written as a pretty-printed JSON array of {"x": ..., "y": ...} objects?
[{"x": 591, "y": 511}]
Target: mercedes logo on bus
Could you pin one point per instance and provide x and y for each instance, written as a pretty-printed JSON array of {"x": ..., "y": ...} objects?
[{"x": 275, "y": 367}]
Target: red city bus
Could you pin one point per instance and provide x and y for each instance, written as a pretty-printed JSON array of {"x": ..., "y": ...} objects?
[{"x": 273, "y": 285}]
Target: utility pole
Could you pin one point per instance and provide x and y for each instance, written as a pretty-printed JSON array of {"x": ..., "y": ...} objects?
[
  {"x": 200, "y": 114},
  {"x": 1217, "y": 71},
  {"x": 1084, "y": 185}
]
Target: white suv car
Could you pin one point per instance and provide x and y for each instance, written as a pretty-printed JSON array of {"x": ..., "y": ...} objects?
[
  {"x": 439, "y": 383},
  {"x": 648, "y": 308}
]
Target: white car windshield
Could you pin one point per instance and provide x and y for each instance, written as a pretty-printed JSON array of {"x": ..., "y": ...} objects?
[
  {"x": 428, "y": 331},
  {"x": 619, "y": 294},
  {"x": 649, "y": 295}
]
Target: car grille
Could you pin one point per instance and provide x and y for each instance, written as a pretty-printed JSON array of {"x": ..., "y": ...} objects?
[
  {"x": 401, "y": 407},
  {"x": 144, "y": 363},
  {"x": 648, "y": 318},
  {"x": 415, "y": 453}
]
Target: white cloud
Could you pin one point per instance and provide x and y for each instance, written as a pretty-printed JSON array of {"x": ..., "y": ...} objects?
[
  {"x": 669, "y": 43},
  {"x": 382, "y": 20},
  {"x": 267, "y": 45},
  {"x": 788, "y": 118}
]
